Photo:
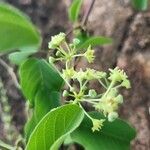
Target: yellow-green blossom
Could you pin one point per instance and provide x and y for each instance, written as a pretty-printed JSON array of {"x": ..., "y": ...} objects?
[
  {"x": 89, "y": 55},
  {"x": 68, "y": 73},
  {"x": 80, "y": 75},
  {"x": 118, "y": 75},
  {"x": 97, "y": 124},
  {"x": 126, "y": 84},
  {"x": 56, "y": 40}
]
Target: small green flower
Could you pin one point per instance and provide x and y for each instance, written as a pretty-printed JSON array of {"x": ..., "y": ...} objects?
[
  {"x": 118, "y": 75},
  {"x": 68, "y": 73},
  {"x": 90, "y": 74},
  {"x": 126, "y": 84},
  {"x": 97, "y": 124},
  {"x": 89, "y": 55},
  {"x": 112, "y": 116},
  {"x": 56, "y": 40},
  {"x": 80, "y": 75},
  {"x": 100, "y": 74}
]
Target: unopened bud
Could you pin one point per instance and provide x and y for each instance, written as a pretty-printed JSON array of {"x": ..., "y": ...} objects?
[
  {"x": 112, "y": 116},
  {"x": 58, "y": 53},
  {"x": 65, "y": 93},
  {"x": 92, "y": 93},
  {"x": 119, "y": 99},
  {"x": 51, "y": 60}
]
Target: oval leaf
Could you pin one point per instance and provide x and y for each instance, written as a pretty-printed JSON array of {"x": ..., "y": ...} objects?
[
  {"x": 74, "y": 10},
  {"x": 16, "y": 30},
  {"x": 113, "y": 136},
  {"x": 95, "y": 41},
  {"x": 44, "y": 102},
  {"x": 36, "y": 75},
  {"x": 51, "y": 131}
]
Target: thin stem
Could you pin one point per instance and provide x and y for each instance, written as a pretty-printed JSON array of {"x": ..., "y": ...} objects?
[
  {"x": 110, "y": 86},
  {"x": 6, "y": 146},
  {"x": 78, "y": 55},
  {"x": 102, "y": 84},
  {"x": 94, "y": 100},
  {"x": 118, "y": 86},
  {"x": 106, "y": 81},
  {"x": 85, "y": 83},
  {"x": 85, "y": 112},
  {"x": 68, "y": 47},
  {"x": 90, "y": 102},
  {"x": 87, "y": 14},
  {"x": 62, "y": 50}
]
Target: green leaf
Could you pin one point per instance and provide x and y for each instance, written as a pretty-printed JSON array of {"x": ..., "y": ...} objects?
[
  {"x": 113, "y": 136},
  {"x": 74, "y": 10},
  {"x": 41, "y": 85},
  {"x": 16, "y": 30},
  {"x": 44, "y": 102},
  {"x": 19, "y": 57},
  {"x": 36, "y": 75},
  {"x": 95, "y": 41},
  {"x": 52, "y": 130},
  {"x": 140, "y": 4}
]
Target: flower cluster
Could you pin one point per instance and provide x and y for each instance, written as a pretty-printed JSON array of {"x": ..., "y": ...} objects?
[
  {"x": 106, "y": 102},
  {"x": 56, "y": 40}
]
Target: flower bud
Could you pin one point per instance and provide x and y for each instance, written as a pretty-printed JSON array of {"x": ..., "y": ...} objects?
[
  {"x": 126, "y": 84},
  {"x": 112, "y": 116},
  {"x": 92, "y": 93},
  {"x": 119, "y": 99},
  {"x": 58, "y": 53},
  {"x": 65, "y": 93},
  {"x": 76, "y": 41},
  {"x": 51, "y": 59}
]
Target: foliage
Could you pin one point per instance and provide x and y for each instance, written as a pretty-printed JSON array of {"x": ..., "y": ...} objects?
[
  {"x": 17, "y": 33},
  {"x": 116, "y": 135},
  {"x": 140, "y": 4},
  {"x": 41, "y": 82},
  {"x": 54, "y": 127}
]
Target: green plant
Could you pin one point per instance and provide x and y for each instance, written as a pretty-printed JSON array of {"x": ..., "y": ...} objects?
[
  {"x": 41, "y": 82},
  {"x": 140, "y": 4}
]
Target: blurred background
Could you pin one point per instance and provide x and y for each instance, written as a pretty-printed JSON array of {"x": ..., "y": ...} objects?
[{"x": 130, "y": 51}]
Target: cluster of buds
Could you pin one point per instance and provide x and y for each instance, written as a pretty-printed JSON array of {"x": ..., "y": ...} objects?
[{"x": 106, "y": 102}]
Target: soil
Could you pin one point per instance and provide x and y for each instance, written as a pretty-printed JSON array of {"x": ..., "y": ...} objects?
[{"x": 130, "y": 50}]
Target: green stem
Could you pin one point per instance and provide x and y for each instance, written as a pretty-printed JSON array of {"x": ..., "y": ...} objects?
[
  {"x": 102, "y": 84},
  {"x": 85, "y": 112},
  {"x": 62, "y": 50},
  {"x": 110, "y": 86},
  {"x": 68, "y": 47},
  {"x": 78, "y": 55},
  {"x": 92, "y": 102},
  {"x": 96, "y": 100},
  {"x": 6, "y": 146}
]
